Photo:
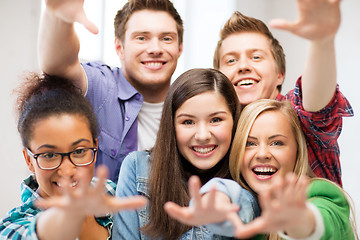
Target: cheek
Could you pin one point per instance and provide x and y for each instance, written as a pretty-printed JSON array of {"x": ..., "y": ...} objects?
[
  {"x": 182, "y": 137},
  {"x": 224, "y": 132},
  {"x": 288, "y": 162},
  {"x": 228, "y": 72}
]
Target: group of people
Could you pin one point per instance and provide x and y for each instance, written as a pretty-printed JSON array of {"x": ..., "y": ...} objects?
[{"x": 217, "y": 154}]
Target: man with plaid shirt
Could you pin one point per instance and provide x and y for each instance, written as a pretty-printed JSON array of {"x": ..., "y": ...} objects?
[{"x": 253, "y": 60}]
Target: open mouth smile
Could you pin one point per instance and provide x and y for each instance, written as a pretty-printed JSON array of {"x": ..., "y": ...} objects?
[
  {"x": 264, "y": 171},
  {"x": 245, "y": 82},
  {"x": 203, "y": 150}
]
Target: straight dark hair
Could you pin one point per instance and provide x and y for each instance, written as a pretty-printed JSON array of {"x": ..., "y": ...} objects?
[{"x": 169, "y": 170}]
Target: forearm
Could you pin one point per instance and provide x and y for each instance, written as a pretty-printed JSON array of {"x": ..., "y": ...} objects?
[
  {"x": 319, "y": 77},
  {"x": 305, "y": 227},
  {"x": 58, "y": 46},
  {"x": 56, "y": 224}
]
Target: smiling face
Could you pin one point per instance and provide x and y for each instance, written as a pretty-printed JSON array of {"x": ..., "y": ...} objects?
[
  {"x": 203, "y": 126},
  {"x": 63, "y": 133},
  {"x": 246, "y": 59},
  {"x": 150, "y": 52},
  {"x": 270, "y": 152}
]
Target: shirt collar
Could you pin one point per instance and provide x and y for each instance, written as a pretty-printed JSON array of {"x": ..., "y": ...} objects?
[{"x": 125, "y": 89}]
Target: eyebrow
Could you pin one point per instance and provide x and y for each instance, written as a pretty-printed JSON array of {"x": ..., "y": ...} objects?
[
  {"x": 252, "y": 50},
  {"x": 73, "y": 144},
  {"x": 148, "y": 32},
  {"x": 189, "y": 115},
  {"x": 271, "y": 137}
]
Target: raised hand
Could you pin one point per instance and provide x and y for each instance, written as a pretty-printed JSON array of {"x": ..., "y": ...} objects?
[
  {"x": 317, "y": 19},
  {"x": 71, "y": 11},
  {"x": 90, "y": 200},
  {"x": 283, "y": 208},
  {"x": 212, "y": 207}
]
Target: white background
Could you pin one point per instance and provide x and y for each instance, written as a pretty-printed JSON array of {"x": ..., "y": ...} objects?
[{"x": 19, "y": 20}]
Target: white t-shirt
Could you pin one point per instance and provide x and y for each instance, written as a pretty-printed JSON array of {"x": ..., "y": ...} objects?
[{"x": 148, "y": 124}]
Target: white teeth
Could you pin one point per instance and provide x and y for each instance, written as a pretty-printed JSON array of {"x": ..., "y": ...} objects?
[
  {"x": 265, "y": 169},
  {"x": 73, "y": 184},
  {"x": 203, "y": 150},
  {"x": 153, "y": 64},
  {"x": 246, "y": 82}
]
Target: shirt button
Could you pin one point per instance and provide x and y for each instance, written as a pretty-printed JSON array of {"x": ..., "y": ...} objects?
[
  {"x": 137, "y": 96},
  {"x": 113, "y": 152},
  {"x": 127, "y": 118}
]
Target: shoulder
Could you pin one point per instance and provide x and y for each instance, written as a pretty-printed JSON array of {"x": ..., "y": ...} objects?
[
  {"x": 137, "y": 159},
  {"x": 328, "y": 198},
  {"x": 136, "y": 165},
  {"x": 323, "y": 187}
]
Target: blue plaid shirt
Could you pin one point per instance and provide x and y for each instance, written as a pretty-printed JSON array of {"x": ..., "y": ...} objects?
[{"x": 20, "y": 222}]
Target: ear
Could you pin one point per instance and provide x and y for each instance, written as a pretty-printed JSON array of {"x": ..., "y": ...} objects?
[
  {"x": 280, "y": 79},
  {"x": 28, "y": 161},
  {"x": 96, "y": 142},
  {"x": 180, "y": 49},
  {"x": 119, "y": 48}
]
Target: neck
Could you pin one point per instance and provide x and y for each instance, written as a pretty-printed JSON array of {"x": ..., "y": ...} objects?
[{"x": 219, "y": 170}]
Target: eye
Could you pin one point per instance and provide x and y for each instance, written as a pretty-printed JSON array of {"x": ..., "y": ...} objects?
[
  {"x": 231, "y": 61},
  {"x": 48, "y": 155},
  {"x": 277, "y": 143},
  {"x": 256, "y": 57},
  {"x": 250, "y": 143},
  {"x": 216, "y": 120},
  {"x": 80, "y": 151},
  {"x": 188, "y": 122},
  {"x": 140, "y": 38},
  {"x": 167, "y": 39}
]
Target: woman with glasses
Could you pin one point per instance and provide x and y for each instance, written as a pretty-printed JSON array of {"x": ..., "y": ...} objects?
[{"x": 59, "y": 132}]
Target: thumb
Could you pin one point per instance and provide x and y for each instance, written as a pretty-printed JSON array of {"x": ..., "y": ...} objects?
[
  {"x": 90, "y": 26},
  {"x": 282, "y": 24}
]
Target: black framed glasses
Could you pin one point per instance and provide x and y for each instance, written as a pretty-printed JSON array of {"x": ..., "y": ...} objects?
[{"x": 52, "y": 160}]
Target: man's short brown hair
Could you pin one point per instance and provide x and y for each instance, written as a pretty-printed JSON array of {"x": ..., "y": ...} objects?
[
  {"x": 123, "y": 15},
  {"x": 239, "y": 23}
]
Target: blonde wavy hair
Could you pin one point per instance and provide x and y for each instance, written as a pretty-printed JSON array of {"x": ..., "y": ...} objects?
[{"x": 247, "y": 119}]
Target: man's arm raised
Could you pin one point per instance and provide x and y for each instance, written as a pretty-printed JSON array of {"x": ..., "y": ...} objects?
[
  {"x": 58, "y": 44},
  {"x": 318, "y": 21}
]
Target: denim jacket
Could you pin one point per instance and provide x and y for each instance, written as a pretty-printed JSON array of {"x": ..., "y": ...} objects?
[
  {"x": 133, "y": 181},
  {"x": 238, "y": 195}
]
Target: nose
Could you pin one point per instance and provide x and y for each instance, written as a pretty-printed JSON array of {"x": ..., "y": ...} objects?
[
  {"x": 244, "y": 65},
  {"x": 203, "y": 133},
  {"x": 263, "y": 153},
  {"x": 66, "y": 169},
  {"x": 154, "y": 47}
]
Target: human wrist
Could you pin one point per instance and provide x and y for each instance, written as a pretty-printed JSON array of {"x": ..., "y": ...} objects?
[{"x": 319, "y": 226}]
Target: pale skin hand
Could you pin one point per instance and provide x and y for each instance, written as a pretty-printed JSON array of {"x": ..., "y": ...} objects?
[
  {"x": 318, "y": 21},
  {"x": 58, "y": 43},
  {"x": 212, "y": 207},
  {"x": 73, "y": 214},
  {"x": 71, "y": 11},
  {"x": 89, "y": 200},
  {"x": 283, "y": 209}
]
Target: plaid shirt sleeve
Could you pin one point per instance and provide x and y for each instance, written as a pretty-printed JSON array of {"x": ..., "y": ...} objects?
[
  {"x": 322, "y": 129},
  {"x": 20, "y": 223},
  {"x": 107, "y": 221}
]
